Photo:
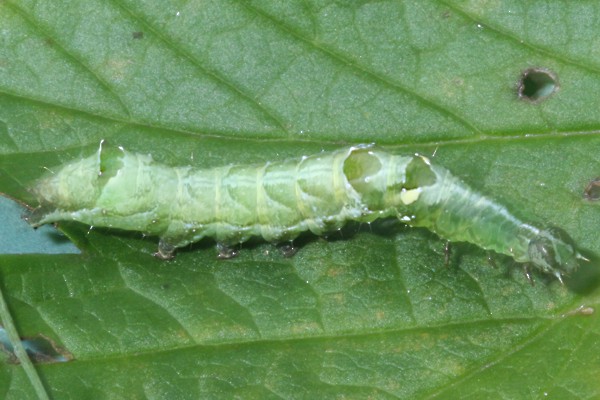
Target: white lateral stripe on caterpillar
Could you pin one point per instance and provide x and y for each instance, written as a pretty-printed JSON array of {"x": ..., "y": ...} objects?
[{"x": 279, "y": 200}]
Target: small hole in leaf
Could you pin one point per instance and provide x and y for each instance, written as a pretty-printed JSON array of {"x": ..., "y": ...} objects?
[
  {"x": 536, "y": 84},
  {"x": 40, "y": 349},
  {"x": 592, "y": 190}
]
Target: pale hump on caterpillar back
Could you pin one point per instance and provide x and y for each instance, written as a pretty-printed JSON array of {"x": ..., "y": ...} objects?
[{"x": 279, "y": 200}]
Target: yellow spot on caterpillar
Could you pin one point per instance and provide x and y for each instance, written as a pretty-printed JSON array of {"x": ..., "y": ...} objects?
[{"x": 410, "y": 196}]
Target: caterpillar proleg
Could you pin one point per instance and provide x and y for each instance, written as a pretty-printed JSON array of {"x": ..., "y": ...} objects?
[{"x": 279, "y": 200}]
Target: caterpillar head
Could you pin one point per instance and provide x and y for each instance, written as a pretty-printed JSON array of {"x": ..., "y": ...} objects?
[{"x": 554, "y": 252}]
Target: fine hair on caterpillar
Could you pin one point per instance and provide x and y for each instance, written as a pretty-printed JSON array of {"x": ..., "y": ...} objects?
[{"x": 277, "y": 201}]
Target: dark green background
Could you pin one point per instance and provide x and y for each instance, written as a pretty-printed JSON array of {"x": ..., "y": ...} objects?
[{"x": 372, "y": 314}]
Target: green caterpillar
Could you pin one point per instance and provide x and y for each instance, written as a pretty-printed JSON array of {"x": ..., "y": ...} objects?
[{"x": 279, "y": 200}]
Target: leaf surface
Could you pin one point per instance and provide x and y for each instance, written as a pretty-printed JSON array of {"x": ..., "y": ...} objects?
[{"x": 371, "y": 312}]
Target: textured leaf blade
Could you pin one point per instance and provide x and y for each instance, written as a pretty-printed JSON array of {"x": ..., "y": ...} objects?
[{"x": 371, "y": 313}]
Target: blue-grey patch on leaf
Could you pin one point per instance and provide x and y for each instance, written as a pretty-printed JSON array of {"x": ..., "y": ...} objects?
[
  {"x": 279, "y": 200},
  {"x": 39, "y": 349},
  {"x": 19, "y": 238}
]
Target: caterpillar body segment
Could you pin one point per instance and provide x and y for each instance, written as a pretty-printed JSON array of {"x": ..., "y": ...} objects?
[{"x": 279, "y": 200}]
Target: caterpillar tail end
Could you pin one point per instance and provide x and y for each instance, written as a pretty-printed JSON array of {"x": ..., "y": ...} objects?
[
  {"x": 43, "y": 215},
  {"x": 35, "y": 218}
]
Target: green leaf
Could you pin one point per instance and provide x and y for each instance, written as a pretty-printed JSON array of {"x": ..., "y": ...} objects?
[{"x": 370, "y": 313}]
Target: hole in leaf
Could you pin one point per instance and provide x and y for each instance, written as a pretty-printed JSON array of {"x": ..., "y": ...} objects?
[
  {"x": 592, "y": 190},
  {"x": 40, "y": 349},
  {"x": 536, "y": 84}
]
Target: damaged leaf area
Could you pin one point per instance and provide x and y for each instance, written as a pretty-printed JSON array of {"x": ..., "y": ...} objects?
[
  {"x": 39, "y": 349},
  {"x": 499, "y": 93}
]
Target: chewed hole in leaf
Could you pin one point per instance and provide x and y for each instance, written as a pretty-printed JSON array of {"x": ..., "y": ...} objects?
[
  {"x": 592, "y": 190},
  {"x": 537, "y": 84},
  {"x": 39, "y": 349}
]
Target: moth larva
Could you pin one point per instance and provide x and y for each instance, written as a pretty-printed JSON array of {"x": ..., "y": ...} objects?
[{"x": 279, "y": 200}]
